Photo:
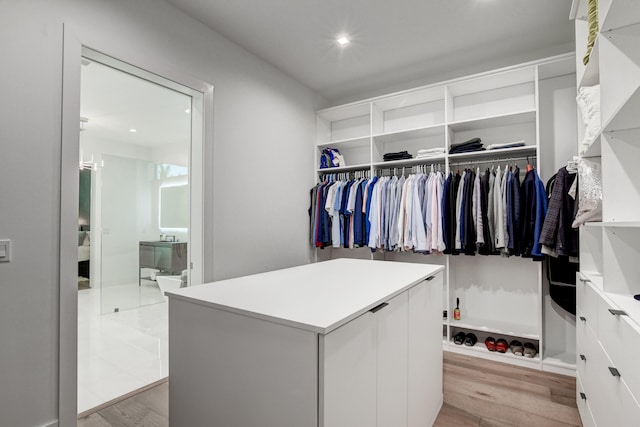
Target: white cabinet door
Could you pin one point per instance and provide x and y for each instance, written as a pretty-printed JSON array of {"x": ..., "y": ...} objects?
[
  {"x": 392, "y": 362},
  {"x": 348, "y": 374},
  {"x": 425, "y": 352}
]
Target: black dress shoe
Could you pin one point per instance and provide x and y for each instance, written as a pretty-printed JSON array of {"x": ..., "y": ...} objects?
[{"x": 470, "y": 340}]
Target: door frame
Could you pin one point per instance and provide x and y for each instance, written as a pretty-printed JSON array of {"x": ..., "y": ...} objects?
[{"x": 200, "y": 184}]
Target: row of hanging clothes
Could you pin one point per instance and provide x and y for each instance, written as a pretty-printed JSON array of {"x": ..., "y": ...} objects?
[
  {"x": 495, "y": 211},
  {"x": 469, "y": 211}
]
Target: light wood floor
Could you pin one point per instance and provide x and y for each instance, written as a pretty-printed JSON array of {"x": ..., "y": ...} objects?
[{"x": 477, "y": 392}]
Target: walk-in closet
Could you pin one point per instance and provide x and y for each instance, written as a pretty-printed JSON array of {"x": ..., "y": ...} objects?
[{"x": 319, "y": 214}]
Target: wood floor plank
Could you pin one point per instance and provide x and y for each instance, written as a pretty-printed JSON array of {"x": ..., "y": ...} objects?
[
  {"x": 524, "y": 402},
  {"x": 477, "y": 393},
  {"x": 93, "y": 420},
  {"x": 452, "y": 416},
  {"x": 132, "y": 412},
  {"x": 498, "y": 380},
  {"x": 156, "y": 399},
  {"x": 503, "y": 413},
  {"x": 534, "y": 376}
]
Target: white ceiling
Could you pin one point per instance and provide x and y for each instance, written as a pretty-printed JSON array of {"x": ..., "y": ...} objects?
[
  {"x": 394, "y": 41},
  {"x": 115, "y": 102}
]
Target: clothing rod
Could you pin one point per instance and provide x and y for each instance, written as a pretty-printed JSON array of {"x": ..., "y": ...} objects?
[{"x": 502, "y": 160}]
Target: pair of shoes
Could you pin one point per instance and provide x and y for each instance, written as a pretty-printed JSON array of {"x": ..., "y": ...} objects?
[
  {"x": 492, "y": 345},
  {"x": 467, "y": 339},
  {"x": 530, "y": 350},
  {"x": 526, "y": 350},
  {"x": 516, "y": 348}
]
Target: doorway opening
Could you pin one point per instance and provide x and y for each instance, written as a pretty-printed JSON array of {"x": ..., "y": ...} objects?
[{"x": 139, "y": 222}]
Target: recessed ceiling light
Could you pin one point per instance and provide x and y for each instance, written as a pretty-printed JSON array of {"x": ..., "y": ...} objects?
[
  {"x": 132, "y": 130},
  {"x": 343, "y": 41},
  {"x": 188, "y": 110}
]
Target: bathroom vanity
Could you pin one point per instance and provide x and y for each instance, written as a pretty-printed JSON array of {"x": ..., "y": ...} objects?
[
  {"x": 168, "y": 257},
  {"x": 344, "y": 342}
]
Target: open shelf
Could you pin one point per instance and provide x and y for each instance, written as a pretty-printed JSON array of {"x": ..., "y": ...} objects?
[
  {"x": 360, "y": 167},
  {"x": 420, "y": 132},
  {"x": 620, "y": 224},
  {"x": 620, "y": 13},
  {"x": 480, "y": 350},
  {"x": 498, "y": 327},
  {"x": 499, "y": 153},
  {"x": 410, "y": 162},
  {"x": 595, "y": 149},
  {"x": 494, "y": 121},
  {"x": 360, "y": 141},
  {"x": 591, "y": 75},
  {"x": 620, "y": 79}
]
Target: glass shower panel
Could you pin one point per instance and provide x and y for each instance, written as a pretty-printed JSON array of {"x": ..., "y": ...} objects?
[{"x": 129, "y": 216}]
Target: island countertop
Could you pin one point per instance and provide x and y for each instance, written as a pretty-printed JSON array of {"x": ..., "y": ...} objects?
[{"x": 317, "y": 297}]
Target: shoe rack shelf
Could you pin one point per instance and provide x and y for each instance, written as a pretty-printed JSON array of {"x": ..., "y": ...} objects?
[
  {"x": 502, "y": 327},
  {"x": 501, "y": 296},
  {"x": 608, "y": 329}
]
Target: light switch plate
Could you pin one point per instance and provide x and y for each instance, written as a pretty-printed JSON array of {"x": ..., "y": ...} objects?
[{"x": 5, "y": 250}]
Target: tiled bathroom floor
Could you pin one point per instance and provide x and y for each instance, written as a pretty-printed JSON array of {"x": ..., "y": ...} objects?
[{"x": 120, "y": 352}]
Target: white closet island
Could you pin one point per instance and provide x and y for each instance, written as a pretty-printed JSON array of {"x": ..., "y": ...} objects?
[{"x": 339, "y": 343}]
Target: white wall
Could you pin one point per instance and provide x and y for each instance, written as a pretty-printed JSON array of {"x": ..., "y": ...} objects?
[{"x": 262, "y": 170}]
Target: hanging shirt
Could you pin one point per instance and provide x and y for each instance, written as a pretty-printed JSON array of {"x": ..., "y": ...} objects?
[
  {"x": 487, "y": 248},
  {"x": 498, "y": 211},
  {"x": 469, "y": 236},
  {"x": 445, "y": 214},
  {"x": 458, "y": 212},
  {"x": 395, "y": 241},
  {"x": 505, "y": 210},
  {"x": 514, "y": 230},
  {"x": 541, "y": 211},
  {"x": 453, "y": 212},
  {"x": 491, "y": 216},
  {"x": 477, "y": 210},
  {"x": 367, "y": 206},
  {"x": 418, "y": 232},
  {"x": 528, "y": 212}
]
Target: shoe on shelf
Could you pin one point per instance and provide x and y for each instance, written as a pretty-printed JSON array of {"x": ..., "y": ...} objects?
[
  {"x": 530, "y": 350},
  {"x": 470, "y": 340},
  {"x": 516, "y": 348},
  {"x": 490, "y": 342},
  {"x": 502, "y": 346},
  {"x": 459, "y": 338}
]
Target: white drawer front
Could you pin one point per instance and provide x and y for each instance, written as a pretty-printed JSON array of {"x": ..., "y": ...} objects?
[
  {"x": 582, "y": 400},
  {"x": 609, "y": 398},
  {"x": 587, "y": 303},
  {"x": 622, "y": 343},
  {"x": 582, "y": 335}
]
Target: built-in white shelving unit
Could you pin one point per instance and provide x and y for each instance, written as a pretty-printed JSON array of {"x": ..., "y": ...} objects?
[
  {"x": 500, "y": 297},
  {"x": 608, "y": 386}
]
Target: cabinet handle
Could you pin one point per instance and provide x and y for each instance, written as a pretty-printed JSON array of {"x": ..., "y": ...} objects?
[
  {"x": 583, "y": 396},
  {"x": 582, "y": 356},
  {"x": 430, "y": 278},
  {"x": 617, "y": 312},
  {"x": 584, "y": 319},
  {"x": 584, "y": 280},
  {"x": 379, "y": 307},
  {"x": 614, "y": 371}
]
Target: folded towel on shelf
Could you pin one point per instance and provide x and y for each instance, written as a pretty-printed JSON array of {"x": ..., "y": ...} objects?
[
  {"x": 474, "y": 144},
  {"x": 506, "y": 145},
  {"x": 438, "y": 150},
  {"x": 467, "y": 150},
  {"x": 401, "y": 155}
]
